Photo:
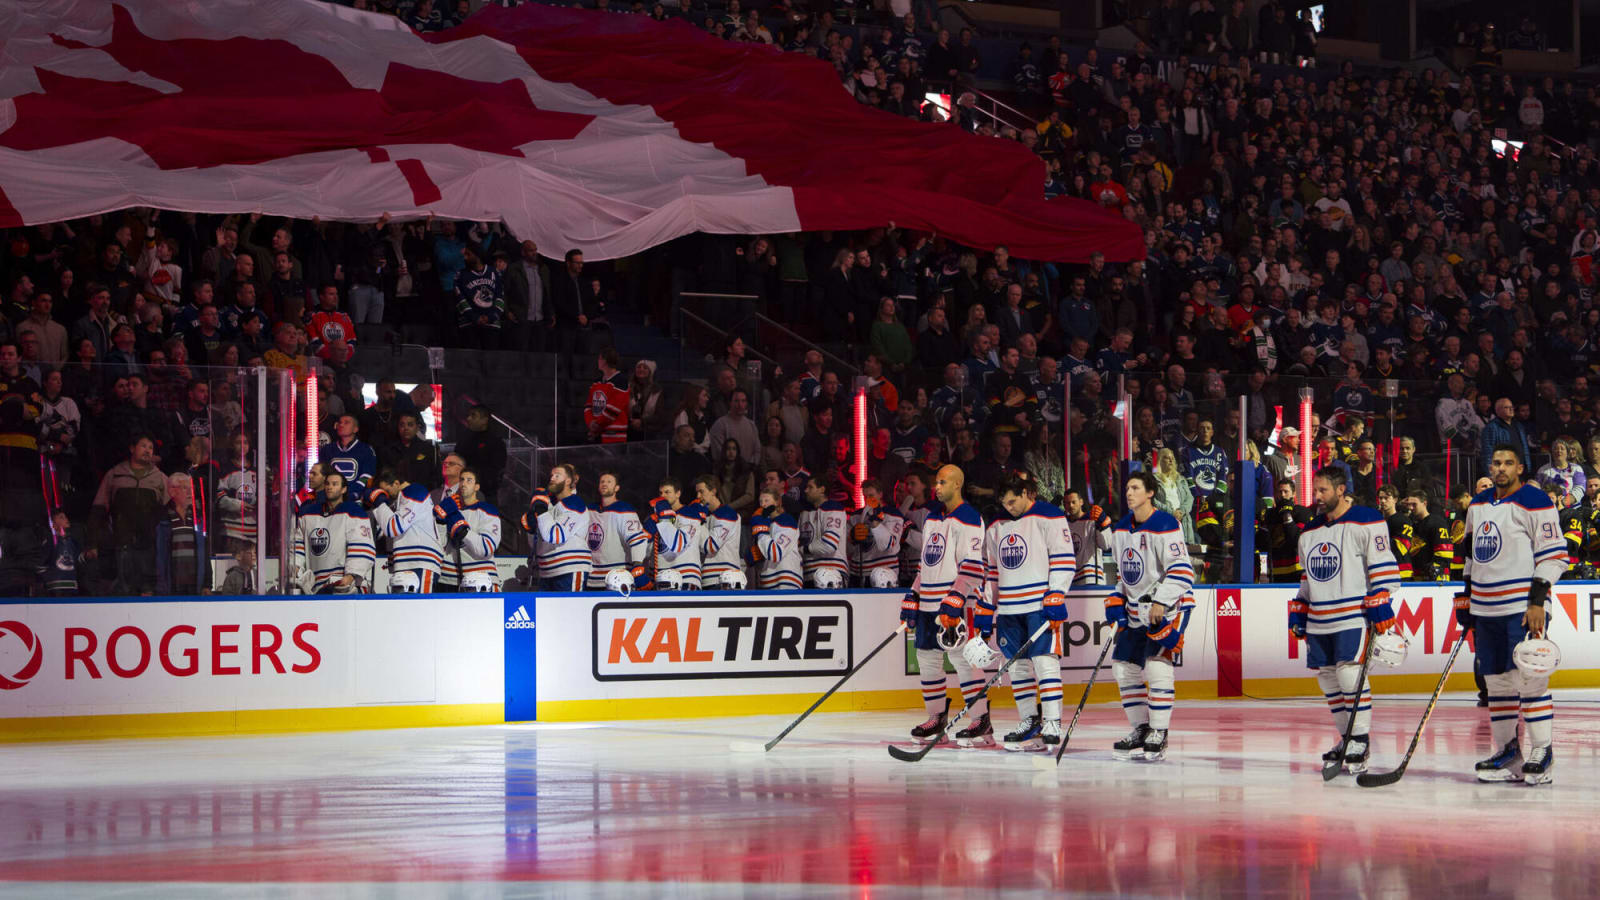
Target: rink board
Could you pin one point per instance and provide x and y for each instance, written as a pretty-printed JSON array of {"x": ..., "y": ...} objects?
[{"x": 210, "y": 665}]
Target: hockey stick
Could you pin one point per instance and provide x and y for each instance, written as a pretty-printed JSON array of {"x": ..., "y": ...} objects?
[
  {"x": 1371, "y": 779},
  {"x": 1330, "y": 770},
  {"x": 916, "y": 755},
  {"x": 1041, "y": 762},
  {"x": 754, "y": 747}
]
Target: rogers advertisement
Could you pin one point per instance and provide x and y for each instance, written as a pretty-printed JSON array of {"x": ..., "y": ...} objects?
[{"x": 108, "y": 658}]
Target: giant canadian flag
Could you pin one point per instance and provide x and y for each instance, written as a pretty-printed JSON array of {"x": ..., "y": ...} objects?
[{"x": 605, "y": 132}]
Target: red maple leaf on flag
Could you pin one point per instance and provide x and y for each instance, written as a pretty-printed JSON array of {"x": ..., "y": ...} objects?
[{"x": 248, "y": 100}]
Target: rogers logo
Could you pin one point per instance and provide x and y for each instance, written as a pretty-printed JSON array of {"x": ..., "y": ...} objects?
[{"x": 35, "y": 655}]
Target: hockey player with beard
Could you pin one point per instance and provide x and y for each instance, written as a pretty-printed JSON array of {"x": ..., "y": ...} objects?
[
  {"x": 1028, "y": 567},
  {"x": 559, "y": 522},
  {"x": 1517, "y": 552},
  {"x": 333, "y": 549},
  {"x": 624, "y": 542},
  {"x": 951, "y": 570},
  {"x": 470, "y": 564},
  {"x": 1350, "y": 572},
  {"x": 416, "y": 557},
  {"x": 1151, "y": 607}
]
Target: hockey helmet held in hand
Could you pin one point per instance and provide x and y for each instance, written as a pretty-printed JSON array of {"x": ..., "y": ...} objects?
[
  {"x": 882, "y": 578},
  {"x": 620, "y": 581},
  {"x": 405, "y": 582},
  {"x": 1389, "y": 648},
  {"x": 953, "y": 638},
  {"x": 1536, "y": 656},
  {"x": 979, "y": 654}
]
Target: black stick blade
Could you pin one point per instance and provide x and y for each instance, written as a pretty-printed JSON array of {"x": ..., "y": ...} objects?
[
  {"x": 1331, "y": 770},
  {"x": 905, "y": 755},
  {"x": 1379, "y": 779}
]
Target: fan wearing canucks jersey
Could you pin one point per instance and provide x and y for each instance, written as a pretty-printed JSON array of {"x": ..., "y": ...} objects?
[
  {"x": 1517, "y": 551},
  {"x": 1027, "y": 569},
  {"x": 1151, "y": 605},
  {"x": 951, "y": 570},
  {"x": 1349, "y": 574}
]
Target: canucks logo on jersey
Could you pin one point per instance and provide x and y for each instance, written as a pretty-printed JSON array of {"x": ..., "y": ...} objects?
[
  {"x": 1013, "y": 551},
  {"x": 1323, "y": 563},
  {"x": 319, "y": 541},
  {"x": 597, "y": 536},
  {"x": 934, "y": 550},
  {"x": 1486, "y": 542},
  {"x": 1132, "y": 566}
]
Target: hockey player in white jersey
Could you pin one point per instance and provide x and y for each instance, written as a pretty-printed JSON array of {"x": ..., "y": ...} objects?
[
  {"x": 678, "y": 540},
  {"x": 1518, "y": 552},
  {"x": 720, "y": 565},
  {"x": 333, "y": 549},
  {"x": 774, "y": 551},
  {"x": 1027, "y": 568},
  {"x": 560, "y": 523},
  {"x": 875, "y": 533},
  {"x": 624, "y": 541},
  {"x": 1151, "y": 607},
  {"x": 1349, "y": 573},
  {"x": 409, "y": 518},
  {"x": 822, "y": 536},
  {"x": 913, "y": 490},
  {"x": 951, "y": 571},
  {"x": 472, "y": 560}
]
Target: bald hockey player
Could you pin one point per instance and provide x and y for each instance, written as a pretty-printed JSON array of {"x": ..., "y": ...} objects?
[
  {"x": 774, "y": 544},
  {"x": 1028, "y": 566},
  {"x": 1516, "y": 553},
  {"x": 876, "y": 530},
  {"x": 333, "y": 549},
  {"x": 1350, "y": 572},
  {"x": 951, "y": 570},
  {"x": 1151, "y": 606}
]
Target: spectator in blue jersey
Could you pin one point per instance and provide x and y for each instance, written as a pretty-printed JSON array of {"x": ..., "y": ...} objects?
[
  {"x": 1504, "y": 428},
  {"x": 349, "y": 455},
  {"x": 1204, "y": 463},
  {"x": 480, "y": 303}
]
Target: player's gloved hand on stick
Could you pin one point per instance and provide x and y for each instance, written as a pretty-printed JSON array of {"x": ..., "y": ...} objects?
[
  {"x": 1116, "y": 613},
  {"x": 1378, "y": 611},
  {"x": 1463, "y": 603},
  {"x": 1055, "y": 606},
  {"x": 908, "y": 609},
  {"x": 1154, "y": 613},
  {"x": 1299, "y": 614}
]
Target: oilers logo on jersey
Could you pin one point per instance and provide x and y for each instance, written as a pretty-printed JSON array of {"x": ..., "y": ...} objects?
[
  {"x": 805, "y": 532},
  {"x": 597, "y": 536},
  {"x": 1013, "y": 551},
  {"x": 597, "y": 403},
  {"x": 1132, "y": 566},
  {"x": 319, "y": 541},
  {"x": 1323, "y": 562},
  {"x": 1486, "y": 542},
  {"x": 933, "y": 551}
]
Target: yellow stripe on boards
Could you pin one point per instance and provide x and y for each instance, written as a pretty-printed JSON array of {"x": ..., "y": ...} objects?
[{"x": 247, "y": 721}]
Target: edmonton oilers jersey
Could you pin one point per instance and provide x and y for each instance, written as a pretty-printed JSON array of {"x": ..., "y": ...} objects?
[
  {"x": 1344, "y": 561},
  {"x": 1152, "y": 559},
  {"x": 1510, "y": 543},
  {"x": 1025, "y": 558}
]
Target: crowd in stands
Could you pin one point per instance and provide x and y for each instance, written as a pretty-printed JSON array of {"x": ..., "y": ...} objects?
[{"x": 1368, "y": 235}]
